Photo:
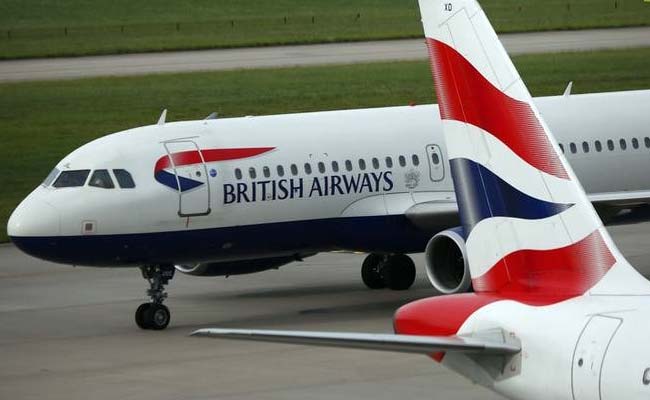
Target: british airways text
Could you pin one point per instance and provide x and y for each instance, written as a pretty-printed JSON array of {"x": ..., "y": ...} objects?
[{"x": 297, "y": 188}]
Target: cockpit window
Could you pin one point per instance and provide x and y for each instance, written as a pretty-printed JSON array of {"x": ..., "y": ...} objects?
[
  {"x": 71, "y": 178},
  {"x": 124, "y": 178},
  {"x": 50, "y": 178},
  {"x": 101, "y": 179}
]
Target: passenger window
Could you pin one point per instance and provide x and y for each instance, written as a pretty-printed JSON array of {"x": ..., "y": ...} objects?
[
  {"x": 375, "y": 163},
  {"x": 610, "y": 145},
  {"x": 573, "y": 148},
  {"x": 72, "y": 178},
  {"x": 599, "y": 147},
  {"x": 362, "y": 164},
  {"x": 623, "y": 144},
  {"x": 124, "y": 178},
  {"x": 348, "y": 165},
  {"x": 635, "y": 143},
  {"x": 435, "y": 158},
  {"x": 238, "y": 174},
  {"x": 101, "y": 179},
  {"x": 280, "y": 170},
  {"x": 252, "y": 173},
  {"x": 559, "y": 144},
  {"x": 308, "y": 168},
  {"x": 647, "y": 142},
  {"x": 266, "y": 171},
  {"x": 415, "y": 159},
  {"x": 321, "y": 167},
  {"x": 585, "y": 147},
  {"x": 389, "y": 162},
  {"x": 50, "y": 177},
  {"x": 335, "y": 166},
  {"x": 294, "y": 169},
  {"x": 402, "y": 161}
]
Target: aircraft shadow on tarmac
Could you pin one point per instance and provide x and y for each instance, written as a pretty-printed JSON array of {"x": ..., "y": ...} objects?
[
  {"x": 346, "y": 302},
  {"x": 288, "y": 292}
]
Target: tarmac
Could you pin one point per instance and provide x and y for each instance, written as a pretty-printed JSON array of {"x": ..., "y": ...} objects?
[
  {"x": 68, "y": 333},
  {"x": 304, "y": 55}
]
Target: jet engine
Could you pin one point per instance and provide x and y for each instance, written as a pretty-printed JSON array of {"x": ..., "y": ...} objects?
[
  {"x": 237, "y": 267},
  {"x": 446, "y": 262}
]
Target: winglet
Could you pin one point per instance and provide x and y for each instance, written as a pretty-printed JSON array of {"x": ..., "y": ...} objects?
[
  {"x": 212, "y": 115},
  {"x": 567, "y": 91},
  {"x": 163, "y": 117}
]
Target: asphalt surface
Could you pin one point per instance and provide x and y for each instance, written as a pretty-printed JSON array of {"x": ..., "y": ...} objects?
[
  {"x": 68, "y": 333},
  {"x": 285, "y": 56}
]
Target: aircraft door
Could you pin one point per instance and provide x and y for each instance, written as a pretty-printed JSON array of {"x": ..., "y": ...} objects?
[
  {"x": 589, "y": 354},
  {"x": 436, "y": 165},
  {"x": 191, "y": 177}
]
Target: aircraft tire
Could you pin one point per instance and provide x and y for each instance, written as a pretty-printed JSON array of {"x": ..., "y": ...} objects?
[
  {"x": 399, "y": 272},
  {"x": 157, "y": 317},
  {"x": 140, "y": 315},
  {"x": 371, "y": 273}
]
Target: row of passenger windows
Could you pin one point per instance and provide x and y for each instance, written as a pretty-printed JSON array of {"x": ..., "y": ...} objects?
[
  {"x": 611, "y": 146},
  {"x": 100, "y": 178},
  {"x": 348, "y": 165}
]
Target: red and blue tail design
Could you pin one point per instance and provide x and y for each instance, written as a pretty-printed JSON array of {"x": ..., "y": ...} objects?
[{"x": 530, "y": 229}]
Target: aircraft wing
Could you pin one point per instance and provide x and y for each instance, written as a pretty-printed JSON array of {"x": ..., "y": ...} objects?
[
  {"x": 370, "y": 341},
  {"x": 620, "y": 199},
  {"x": 432, "y": 214}
]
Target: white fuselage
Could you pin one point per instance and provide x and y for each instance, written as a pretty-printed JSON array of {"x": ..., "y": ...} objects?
[
  {"x": 596, "y": 345},
  {"x": 289, "y": 198}
]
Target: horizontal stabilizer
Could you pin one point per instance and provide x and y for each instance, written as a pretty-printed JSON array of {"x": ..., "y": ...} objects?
[{"x": 369, "y": 341}]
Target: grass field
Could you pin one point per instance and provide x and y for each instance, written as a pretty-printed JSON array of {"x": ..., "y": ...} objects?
[
  {"x": 30, "y": 28},
  {"x": 40, "y": 122}
]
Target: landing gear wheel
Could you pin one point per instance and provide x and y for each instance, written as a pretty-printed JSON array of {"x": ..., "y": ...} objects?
[
  {"x": 371, "y": 273},
  {"x": 139, "y": 316},
  {"x": 398, "y": 272},
  {"x": 157, "y": 317}
]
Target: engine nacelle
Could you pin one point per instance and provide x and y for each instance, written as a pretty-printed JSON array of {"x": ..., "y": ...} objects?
[
  {"x": 446, "y": 262},
  {"x": 238, "y": 267}
]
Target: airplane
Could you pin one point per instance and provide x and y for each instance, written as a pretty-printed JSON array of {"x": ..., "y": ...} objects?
[
  {"x": 557, "y": 311},
  {"x": 220, "y": 197}
]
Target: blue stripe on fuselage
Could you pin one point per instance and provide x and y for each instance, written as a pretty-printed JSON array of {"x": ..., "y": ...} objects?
[{"x": 390, "y": 234}]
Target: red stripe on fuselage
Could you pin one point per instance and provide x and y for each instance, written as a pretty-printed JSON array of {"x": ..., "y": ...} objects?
[
  {"x": 209, "y": 155},
  {"x": 465, "y": 95},
  {"x": 558, "y": 274}
]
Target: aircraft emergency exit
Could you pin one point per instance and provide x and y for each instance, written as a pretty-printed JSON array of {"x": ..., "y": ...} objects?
[
  {"x": 557, "y": 312},
  {"x": 222, "y": 197}
]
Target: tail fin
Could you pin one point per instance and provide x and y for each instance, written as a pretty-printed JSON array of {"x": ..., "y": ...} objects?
[{"x": 529, "y": 227}]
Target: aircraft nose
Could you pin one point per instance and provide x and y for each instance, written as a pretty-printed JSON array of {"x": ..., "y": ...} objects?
[{"x": 34, "y": 218}]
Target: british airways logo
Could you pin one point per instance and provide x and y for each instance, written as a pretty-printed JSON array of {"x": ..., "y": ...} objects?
[
  {"x": 165, "y": 166},
  {"x": 166, "y": 173},
  {"x": 298, "y": 188}
]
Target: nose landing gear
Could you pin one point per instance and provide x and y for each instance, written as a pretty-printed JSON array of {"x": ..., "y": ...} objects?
[
  {"x": 155, "y": 315},
  {"x": 396, "y": 271}
]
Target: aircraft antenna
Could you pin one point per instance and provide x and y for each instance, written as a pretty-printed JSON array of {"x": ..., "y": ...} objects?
[
  {"x": 567, "y": 91},
  {"x": 163, "y": 117}
]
